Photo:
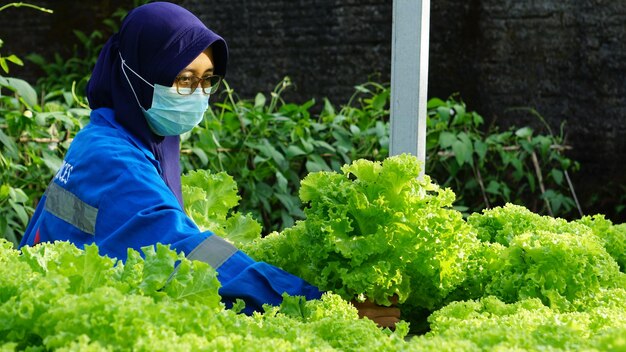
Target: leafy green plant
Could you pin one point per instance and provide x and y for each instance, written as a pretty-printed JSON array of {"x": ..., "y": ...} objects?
[
  {"x": 268, "y": 146},
  {"x": 488, "y": 168},
  {"x": 526, "y": 255},
  {"x": 612, "y": 236},
  {"x": 488, "y": 324},
  {"x": 375, "y": 230},
  {"x": 34, "y": 136},
  {"x": 4, "y": 60},
  {"x": 209, "y": 199},
  {"x": 556, "y": 268},
  {"x": 55, "y": 296},
  {"x": 502, "y": 224}
]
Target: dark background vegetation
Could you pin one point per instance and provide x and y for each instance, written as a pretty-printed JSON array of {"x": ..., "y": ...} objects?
[{"x": 564, "y": 58}]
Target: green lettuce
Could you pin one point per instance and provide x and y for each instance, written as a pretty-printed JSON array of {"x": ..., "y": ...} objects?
[
  {"x": 556, "y": 268},
  {"x": 376, "y": 230},
  {"x": 55, "y": 296},
  {"x": 612, "y": 236},
  {"x": 488, "y": 324},
  {"x": 526, "y": 255},
  {"x": 209, "y": 200}
]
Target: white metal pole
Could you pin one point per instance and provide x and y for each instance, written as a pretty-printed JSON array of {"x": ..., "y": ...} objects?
[{"x": 409, "y": 77}]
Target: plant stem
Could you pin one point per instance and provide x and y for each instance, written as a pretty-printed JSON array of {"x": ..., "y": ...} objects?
[
  {"x": 75, "y": 97},
  {"x": 540, "y": 179},
  {"x": 229, "y": 91},
  {"x": 479, "y": 178},
  {"x": 571, "y": 187},
  {"x": 20, "y": 4}
]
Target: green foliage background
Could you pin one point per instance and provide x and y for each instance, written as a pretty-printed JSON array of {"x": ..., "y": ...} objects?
[{"x": 268, "y": 144}]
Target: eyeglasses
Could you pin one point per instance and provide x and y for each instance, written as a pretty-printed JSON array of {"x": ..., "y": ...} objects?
[{"x": 187, "y": 84}]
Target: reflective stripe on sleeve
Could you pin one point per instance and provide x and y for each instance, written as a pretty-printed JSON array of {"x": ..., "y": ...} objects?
[
  {"x": 214, "y": 251},
  {"x": 67, "y": 207}
]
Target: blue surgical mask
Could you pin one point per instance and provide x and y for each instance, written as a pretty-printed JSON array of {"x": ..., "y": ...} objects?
[{"x": 171, "y": 114}]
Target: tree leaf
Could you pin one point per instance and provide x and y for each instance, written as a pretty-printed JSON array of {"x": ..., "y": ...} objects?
[
  {"x": 259, "y": 101},
  {"x": 23, "y": 89},
  {"x": 557, "y": 175},
  {"x": 16, "y": 60},
  {"x": 461, "y": 152},
  {"x": 524, "y": 132},
  {"x": 447, "y": 139},
  {"x": 201, "y": 154}
]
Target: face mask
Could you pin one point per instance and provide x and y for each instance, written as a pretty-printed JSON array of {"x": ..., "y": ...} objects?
[{"x": 171, "y": 114}]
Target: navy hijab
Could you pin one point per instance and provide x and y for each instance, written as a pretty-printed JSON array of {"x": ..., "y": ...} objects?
[{"x": 157, "y": 41}]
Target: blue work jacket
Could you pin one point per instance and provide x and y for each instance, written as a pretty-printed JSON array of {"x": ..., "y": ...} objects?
[{"x": 109, "y": 191}]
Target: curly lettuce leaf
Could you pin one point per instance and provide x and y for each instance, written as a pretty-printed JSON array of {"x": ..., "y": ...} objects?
[
  {"x": 612, "y": 236},
  {"x": 209, "y": 200},
  {"x": 375, "y": 230},
  {"x": 209, "y": 196}
]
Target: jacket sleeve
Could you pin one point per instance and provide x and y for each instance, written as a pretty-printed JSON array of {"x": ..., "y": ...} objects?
[
  {"x": 256, "y": 283},
  {"x": 140, "y": 210}
]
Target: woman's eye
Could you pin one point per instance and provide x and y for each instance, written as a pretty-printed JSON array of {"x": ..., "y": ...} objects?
[
  {"x": 207, "y": 81},
  {"x": 186, "y": 81}
]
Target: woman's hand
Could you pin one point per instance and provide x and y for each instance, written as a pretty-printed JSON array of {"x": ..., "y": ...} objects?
[{"x": 385, "y": 317}]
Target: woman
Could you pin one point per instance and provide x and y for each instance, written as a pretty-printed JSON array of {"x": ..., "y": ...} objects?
[{"x": 119, "y": 185}]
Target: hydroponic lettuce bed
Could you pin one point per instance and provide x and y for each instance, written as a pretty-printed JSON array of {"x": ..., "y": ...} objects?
[{"x": 506, "y": 279}]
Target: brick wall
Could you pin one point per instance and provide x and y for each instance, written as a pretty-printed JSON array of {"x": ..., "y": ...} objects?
[{"x": 566, "y": 59}]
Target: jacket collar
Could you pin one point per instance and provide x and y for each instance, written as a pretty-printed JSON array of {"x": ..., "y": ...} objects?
[{"x": 108, "y": 115}]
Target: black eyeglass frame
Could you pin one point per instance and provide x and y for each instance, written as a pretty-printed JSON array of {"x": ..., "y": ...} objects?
[{"x": 199, "y": 81}]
